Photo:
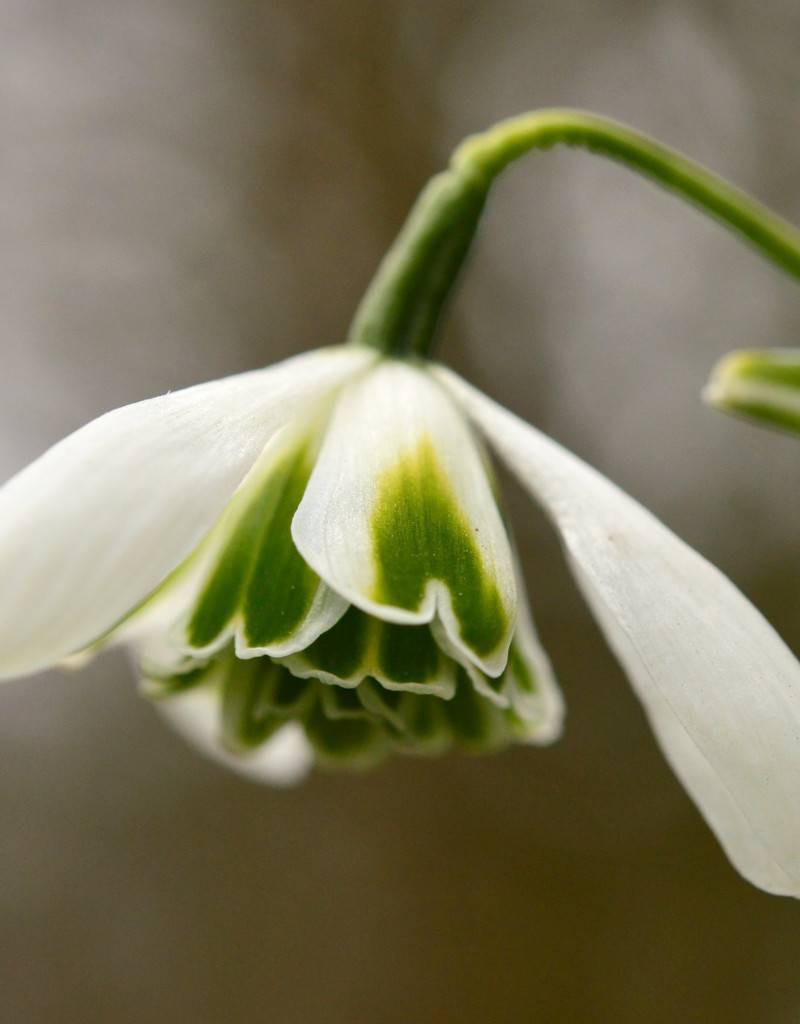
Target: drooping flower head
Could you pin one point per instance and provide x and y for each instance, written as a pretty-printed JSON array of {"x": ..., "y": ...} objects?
[
  {"x": 310, "y": 562},
  {"x": 360, "y": 585}
]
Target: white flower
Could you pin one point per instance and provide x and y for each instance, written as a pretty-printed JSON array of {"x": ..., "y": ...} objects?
[{"x": 310, "y": 564}]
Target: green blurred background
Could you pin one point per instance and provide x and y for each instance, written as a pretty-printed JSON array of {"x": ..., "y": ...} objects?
[{"x": 190, "y": 188}]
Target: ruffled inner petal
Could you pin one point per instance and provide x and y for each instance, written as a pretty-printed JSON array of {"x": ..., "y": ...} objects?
[
  {"x": 257, "y": 587},
  {"x": 360, "y": 646},
  {"x": 399, "y": 515}
]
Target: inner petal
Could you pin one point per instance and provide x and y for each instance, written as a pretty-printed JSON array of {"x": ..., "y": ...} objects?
[
  {"x": 360, "y": 646},
  {"x": 423, "y": 542},
  {"x": 400, "y": 517},
  {"x": 258, "y": 586}
]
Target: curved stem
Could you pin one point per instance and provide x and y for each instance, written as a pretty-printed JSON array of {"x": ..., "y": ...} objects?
[
  {"x": 489, "y": 153},
  {"x": 404, "y": 302}
]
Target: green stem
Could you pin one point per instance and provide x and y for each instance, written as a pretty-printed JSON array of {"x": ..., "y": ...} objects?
[{"x": 403, "y": 305}]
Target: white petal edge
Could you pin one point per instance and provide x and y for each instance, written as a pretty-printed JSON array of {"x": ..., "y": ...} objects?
[
  {"x": 378, "y": 420},
  {"x": 748, "y": 855},
  {"x": 325, "y": 611},
  {"x": 720, "y": 686},
  {"x": 95, "y": 524},
  {"x": 284, "y": 760}
]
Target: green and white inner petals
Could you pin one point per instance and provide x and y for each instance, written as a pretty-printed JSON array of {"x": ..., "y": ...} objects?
[
  {"x": 526, "y": 690},
  {"x": 216, "y": 713},
  {"x": 255, "y": 587},
  {"x": 399, "y": 515},
  {"x": 96, "y": 524},
  {"x": 360, "y": 646}
]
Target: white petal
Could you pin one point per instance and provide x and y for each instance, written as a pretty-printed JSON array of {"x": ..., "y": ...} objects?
[
  {"x": 399, "y": 515},
  {"x": 721, "y": 687},
  {"x": 747, "y": 853},
  {"x": 94, "y": 525},
  {"x": 285, "y": 759}
]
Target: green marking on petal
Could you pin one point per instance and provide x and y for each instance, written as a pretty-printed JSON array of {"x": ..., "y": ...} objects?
[
  {"x": 281, "y": 587},
  {"x": 158, "y": 685},
  {"x": 476, "y": 723},
  {"x": 357, "y": 723},
  {"x": 286, "y": 694},
  {"x": 339, "y": 702},
  {"x": 522, "y": 672},
  {"x": 220, "y": 598},
  {"x": 248, "y": 717},
  {"x": 345, "y": 742},
  {"x": 386, "y": 704},
  {"x": 408, "y": 654},
  {"x": 360, "y": 646},
  {"x": 420, "y": 534},
  {"x": 258, "y": 570},
  {"x": 521, "y": 729},
  {"x": 426, "y": 730},
  {"x": 342, "y": 649}
]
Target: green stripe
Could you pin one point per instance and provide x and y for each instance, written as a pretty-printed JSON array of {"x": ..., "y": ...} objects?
[
  {"x": 281, "y": 587},
  {"x": 343, "y": 648},
  {"x": 348, "y": 727},
  {"x": 523, "y": 673},
  {"x": 408, "y": 654},
  {"x": 338, "y": 703},
  {"x": 259, "y": 571},
  {"x": 475, "y": 722},
  {"x": 247, "y": 717},
  {"x": 345, "y": 742},
  {"x": 360, "y": 645},
  {"x": 420, "y": 534},
  {"x": 219, "y": 600}
]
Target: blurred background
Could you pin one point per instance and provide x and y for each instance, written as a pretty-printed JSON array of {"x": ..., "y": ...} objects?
[{"x": 190, "y": 188}]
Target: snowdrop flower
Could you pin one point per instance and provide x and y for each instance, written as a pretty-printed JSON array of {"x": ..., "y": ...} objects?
[{"x": 311, "y": 565}]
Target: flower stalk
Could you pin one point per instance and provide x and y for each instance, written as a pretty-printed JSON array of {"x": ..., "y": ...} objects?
[{"x": 404, "y": 303}]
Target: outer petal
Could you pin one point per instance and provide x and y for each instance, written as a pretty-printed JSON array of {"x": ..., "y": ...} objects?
[
  {"x": 749, "y": 855},
  {"x": 399, "y": 515},
  {"x": 283, "y": 760},
  {"x": 94, "y": 525},
  {"x": 722, "y": 689}
]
